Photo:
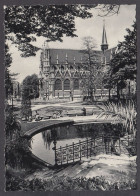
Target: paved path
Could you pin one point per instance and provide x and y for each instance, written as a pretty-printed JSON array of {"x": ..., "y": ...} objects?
[
  {"x": 31, "y": 128},
  {"x": 34, "y": 127},
  {"x": 68, "y": 105}
]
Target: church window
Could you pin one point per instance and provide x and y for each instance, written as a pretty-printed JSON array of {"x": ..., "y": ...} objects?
[
  {"x": 76, "y": 84},
  {"x": 54, "y": 67},
  {"x": 67, "y": 84},
  {"x": 71, "y": 68},
  {"x": 58, "y": 84},
  {"x": 41, "y": 84},
  {"x": 62, "y": 69}
]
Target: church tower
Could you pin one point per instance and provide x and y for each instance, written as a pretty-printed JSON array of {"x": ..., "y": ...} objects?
[
  {"x": 104, "y": 45},
  {"x": 46, "y": 58}
]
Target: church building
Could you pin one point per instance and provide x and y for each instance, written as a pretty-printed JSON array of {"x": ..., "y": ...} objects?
[{"x": 62, "y": 70}]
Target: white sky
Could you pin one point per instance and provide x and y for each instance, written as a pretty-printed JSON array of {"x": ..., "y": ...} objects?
[{"x": 115, "y": 29}]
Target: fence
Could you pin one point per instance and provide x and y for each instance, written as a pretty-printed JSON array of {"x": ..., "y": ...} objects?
[{"x": 91, "y": 147}]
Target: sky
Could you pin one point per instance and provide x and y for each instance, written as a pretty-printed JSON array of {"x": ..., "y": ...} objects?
[{"x": 115, "y": 29}]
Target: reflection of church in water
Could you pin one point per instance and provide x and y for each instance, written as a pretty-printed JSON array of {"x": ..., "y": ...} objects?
[{"x": 62, "y": 70}]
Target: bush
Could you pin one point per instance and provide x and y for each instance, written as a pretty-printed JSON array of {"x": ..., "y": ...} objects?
[
  {"x": 16, "y": 146},
  {"x": 67, "y": 184}
]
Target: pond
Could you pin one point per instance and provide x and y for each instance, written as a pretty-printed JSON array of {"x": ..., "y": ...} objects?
[{"x": 42, "y": 144}]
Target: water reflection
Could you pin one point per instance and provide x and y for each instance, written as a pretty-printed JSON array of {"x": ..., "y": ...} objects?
[
  {"x": 47, "y": 137},
  {"x": 43, "y": 142}
]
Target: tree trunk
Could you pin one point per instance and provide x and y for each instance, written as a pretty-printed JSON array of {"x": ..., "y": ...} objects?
[{"x": 118, "y": 94}]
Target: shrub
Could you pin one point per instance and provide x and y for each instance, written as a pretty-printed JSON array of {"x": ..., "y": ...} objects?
[{"x": 67, "y": 184}]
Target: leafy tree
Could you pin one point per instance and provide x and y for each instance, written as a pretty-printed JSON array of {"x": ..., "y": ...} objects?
[
  {"x": 23, "y": 24},
  {"x": 26, "y": 111},
  {"x": 9, "y": 77},
  {"x": 92, "y": 65},
  {"x": 123, "y": 64},
  {"x": 52, "y": 22},
  {"x": 16, "y": 145},
  {"x": 30, "y": 87},
  {"x": 30, "y": 90},
  {"x": 8, "y": 80}
]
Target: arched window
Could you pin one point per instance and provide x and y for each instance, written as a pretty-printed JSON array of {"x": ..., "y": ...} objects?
[
  {"x": 41, "y": 84},
  {"x": 67, "y": 84},
  {"x": 71, "y": 67},
  {"x": 62, "y": 69},
  {"x": 58, "y": 84},
  {"x": 76, "y": 84},
  {"x": 54, "y": 67}
]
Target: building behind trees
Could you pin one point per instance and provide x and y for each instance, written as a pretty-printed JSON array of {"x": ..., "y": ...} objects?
[{"x": 64, "y": 71}]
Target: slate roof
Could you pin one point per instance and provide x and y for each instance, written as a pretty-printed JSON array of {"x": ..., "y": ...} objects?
[
  {"x": 77, "y": 54},
  {"x": 71, "y": 54}
]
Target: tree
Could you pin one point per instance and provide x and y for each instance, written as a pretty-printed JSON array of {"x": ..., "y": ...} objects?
[
  {"x": 30, "y": 90},
  {"x": 17, "y": 146},
  {"x": 30, "y": 87},
  {"x": 23, "y": 24},
  {"x": 92, "y": 65},
  {"x": 107, "y": 80},
  {"x": 108, "y": 10},
  {"x": 52, "y": 22},
  {"x": 9, "y": 77},
  {"x": 8, "y": 80},
  {"x": 26, "y": 111},
  {"x": 123, "y": 64}
]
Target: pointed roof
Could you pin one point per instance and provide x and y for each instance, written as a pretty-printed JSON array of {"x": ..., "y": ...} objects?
[
  {"x": 104, "y": 38},
  {"x": 104, "y": 45}
]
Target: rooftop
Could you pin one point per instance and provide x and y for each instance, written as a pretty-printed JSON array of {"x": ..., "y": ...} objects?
[{"x": 75, "y": 55}]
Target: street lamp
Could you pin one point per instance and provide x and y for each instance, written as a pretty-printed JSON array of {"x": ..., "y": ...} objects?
[{"x": 129, "y": 91}]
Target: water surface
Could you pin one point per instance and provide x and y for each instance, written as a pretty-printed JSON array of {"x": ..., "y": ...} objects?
[{"x": 42, "y": 143}]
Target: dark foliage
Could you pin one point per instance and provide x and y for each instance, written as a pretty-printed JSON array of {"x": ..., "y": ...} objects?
[
  {"x": 16, "y": 146},
  {"x": 30, "y": 87},
  {"x": 30, "y": 90},
  {"x": 67, "y": 184},
  {"x": 123, "y": 64},
  {"x": 8, "y": 79},
  {"x": 52, "y": 22}
]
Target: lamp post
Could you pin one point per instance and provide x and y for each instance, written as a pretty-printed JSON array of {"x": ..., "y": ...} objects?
[
  {"x": 12, "y": 103},
  {"x": 129, "y": 91}
]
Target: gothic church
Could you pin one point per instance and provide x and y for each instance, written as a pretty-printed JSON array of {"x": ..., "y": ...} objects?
[{"x": 62, "y": 70}]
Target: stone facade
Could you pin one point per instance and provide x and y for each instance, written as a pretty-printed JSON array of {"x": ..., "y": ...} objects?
[{"x": 62, "y": 70}]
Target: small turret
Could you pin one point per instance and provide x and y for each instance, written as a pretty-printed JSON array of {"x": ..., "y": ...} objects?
[
  {"x": 57, "y": 59},
  {"x": 66, "y": 58},
  {"x": 46, "y": 58}
]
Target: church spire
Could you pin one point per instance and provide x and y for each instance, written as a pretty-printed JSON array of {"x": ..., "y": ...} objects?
[{"x": 104, "y": 45}]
